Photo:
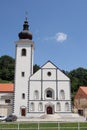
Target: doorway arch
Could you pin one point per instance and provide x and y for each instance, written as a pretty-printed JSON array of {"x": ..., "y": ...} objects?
[
  {"x": 49, "y": 110},
  {"x": 23, "y": 111}
]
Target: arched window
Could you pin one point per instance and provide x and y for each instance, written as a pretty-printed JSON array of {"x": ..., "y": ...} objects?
[
  {"x": 36, "y": 94},
  {"x": 32, "y": 106},
  {"x": 23, "y": 95},
  {"x": 62, "y": 95},
  {"x": 49, "y": 93},
  {"x": 23, "y": 52},
  {"x": 66, "y": 106},
  {"x": 58, "y": 107},
  {"x": 40, "y": 106}
]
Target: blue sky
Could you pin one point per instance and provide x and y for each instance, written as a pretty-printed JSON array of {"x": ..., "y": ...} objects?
[{"x": 59, "y": 29}]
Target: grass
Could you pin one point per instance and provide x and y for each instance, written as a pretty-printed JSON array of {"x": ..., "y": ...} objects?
[{"x": 43, "y": 126}]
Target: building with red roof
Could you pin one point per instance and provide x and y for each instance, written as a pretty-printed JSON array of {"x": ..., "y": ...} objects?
[
  {"x": 6, "y": 98},
  {"x": 8, "y": 87},
  {"x": 80, "y": 100}
]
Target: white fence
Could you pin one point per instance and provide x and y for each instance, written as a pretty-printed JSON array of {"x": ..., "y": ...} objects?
[{"x": 44, "y": 126}]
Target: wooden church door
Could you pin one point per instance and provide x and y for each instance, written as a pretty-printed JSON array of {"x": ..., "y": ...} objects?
[
  {"x": 23, "y": 111},
  {"x": 49, "y": 110}
]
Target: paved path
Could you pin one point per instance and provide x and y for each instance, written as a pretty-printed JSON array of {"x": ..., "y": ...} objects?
[{"x": 55, "y": 117}]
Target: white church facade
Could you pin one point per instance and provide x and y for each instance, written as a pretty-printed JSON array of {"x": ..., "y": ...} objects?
[{"x": 47, "y": 91}]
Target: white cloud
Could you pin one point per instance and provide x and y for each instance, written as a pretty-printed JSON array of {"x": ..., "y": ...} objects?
[{"x": 61, "y": 37}]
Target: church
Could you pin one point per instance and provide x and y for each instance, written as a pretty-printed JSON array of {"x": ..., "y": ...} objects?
[{"x": 47, "y": 91}]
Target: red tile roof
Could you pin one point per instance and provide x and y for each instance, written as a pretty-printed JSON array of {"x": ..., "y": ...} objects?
[
  {"x": 82, "y": 92},
  {"x": 7, "y": 87},
  {"x": 84, "y": 89}
]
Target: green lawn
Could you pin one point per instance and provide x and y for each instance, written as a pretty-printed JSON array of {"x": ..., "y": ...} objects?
[{"x": 43, "y": 126}]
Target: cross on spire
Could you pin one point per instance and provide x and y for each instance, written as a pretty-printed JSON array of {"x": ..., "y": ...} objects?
[{"x": 26, "y": 15}]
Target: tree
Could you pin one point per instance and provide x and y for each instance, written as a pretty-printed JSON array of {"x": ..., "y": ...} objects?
[
  {"x": 35, "y": 68},
  {"x": 7, "y": 68},
  {"x": 78, "y": 78}
]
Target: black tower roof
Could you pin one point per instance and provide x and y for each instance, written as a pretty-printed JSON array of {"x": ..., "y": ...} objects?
[{"x": 25, "y": 34}]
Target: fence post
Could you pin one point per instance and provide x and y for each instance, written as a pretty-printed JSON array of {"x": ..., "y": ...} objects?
[
  {"x": 18, "y": 126},
  {"x": 58, "y": 126},
  {"x": 38, "y": 125},
  {"x": 78, "y": 126}
]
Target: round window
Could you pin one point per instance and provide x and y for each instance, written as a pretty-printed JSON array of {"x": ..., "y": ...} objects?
[{"x": 49, "y": 73}]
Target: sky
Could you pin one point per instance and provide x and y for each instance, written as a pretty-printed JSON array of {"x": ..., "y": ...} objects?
[{"x": 59, "y": 29}]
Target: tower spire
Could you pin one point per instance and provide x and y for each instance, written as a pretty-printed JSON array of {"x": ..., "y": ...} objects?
[
  {"x": 25, "y": 34},
  {"x": 25, "y": 25},
  {"x": 26, "y": 16}
]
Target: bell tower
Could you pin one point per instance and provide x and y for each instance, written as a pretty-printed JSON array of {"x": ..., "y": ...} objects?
[{"x": 23, "y": 70}]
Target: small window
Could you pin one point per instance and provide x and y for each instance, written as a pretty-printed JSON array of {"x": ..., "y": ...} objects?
[
  {"x": 62, "y": 95},
  {"x": 32, "y": 106},
  {"x": 49, "y": 73},
  {"x": 66, "y": 106},
  {"x": 23, "y": 74},
  {"x": 49, "y": 94},
  {"x": 58, "y": 107},
  {"x": 36, "y": 94},
  {"x": 23, "y": 95},
  {"x": 40, "y": 107},
  {"x": 7, "y": 101},
  {"x": 23, "y": 53}
]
